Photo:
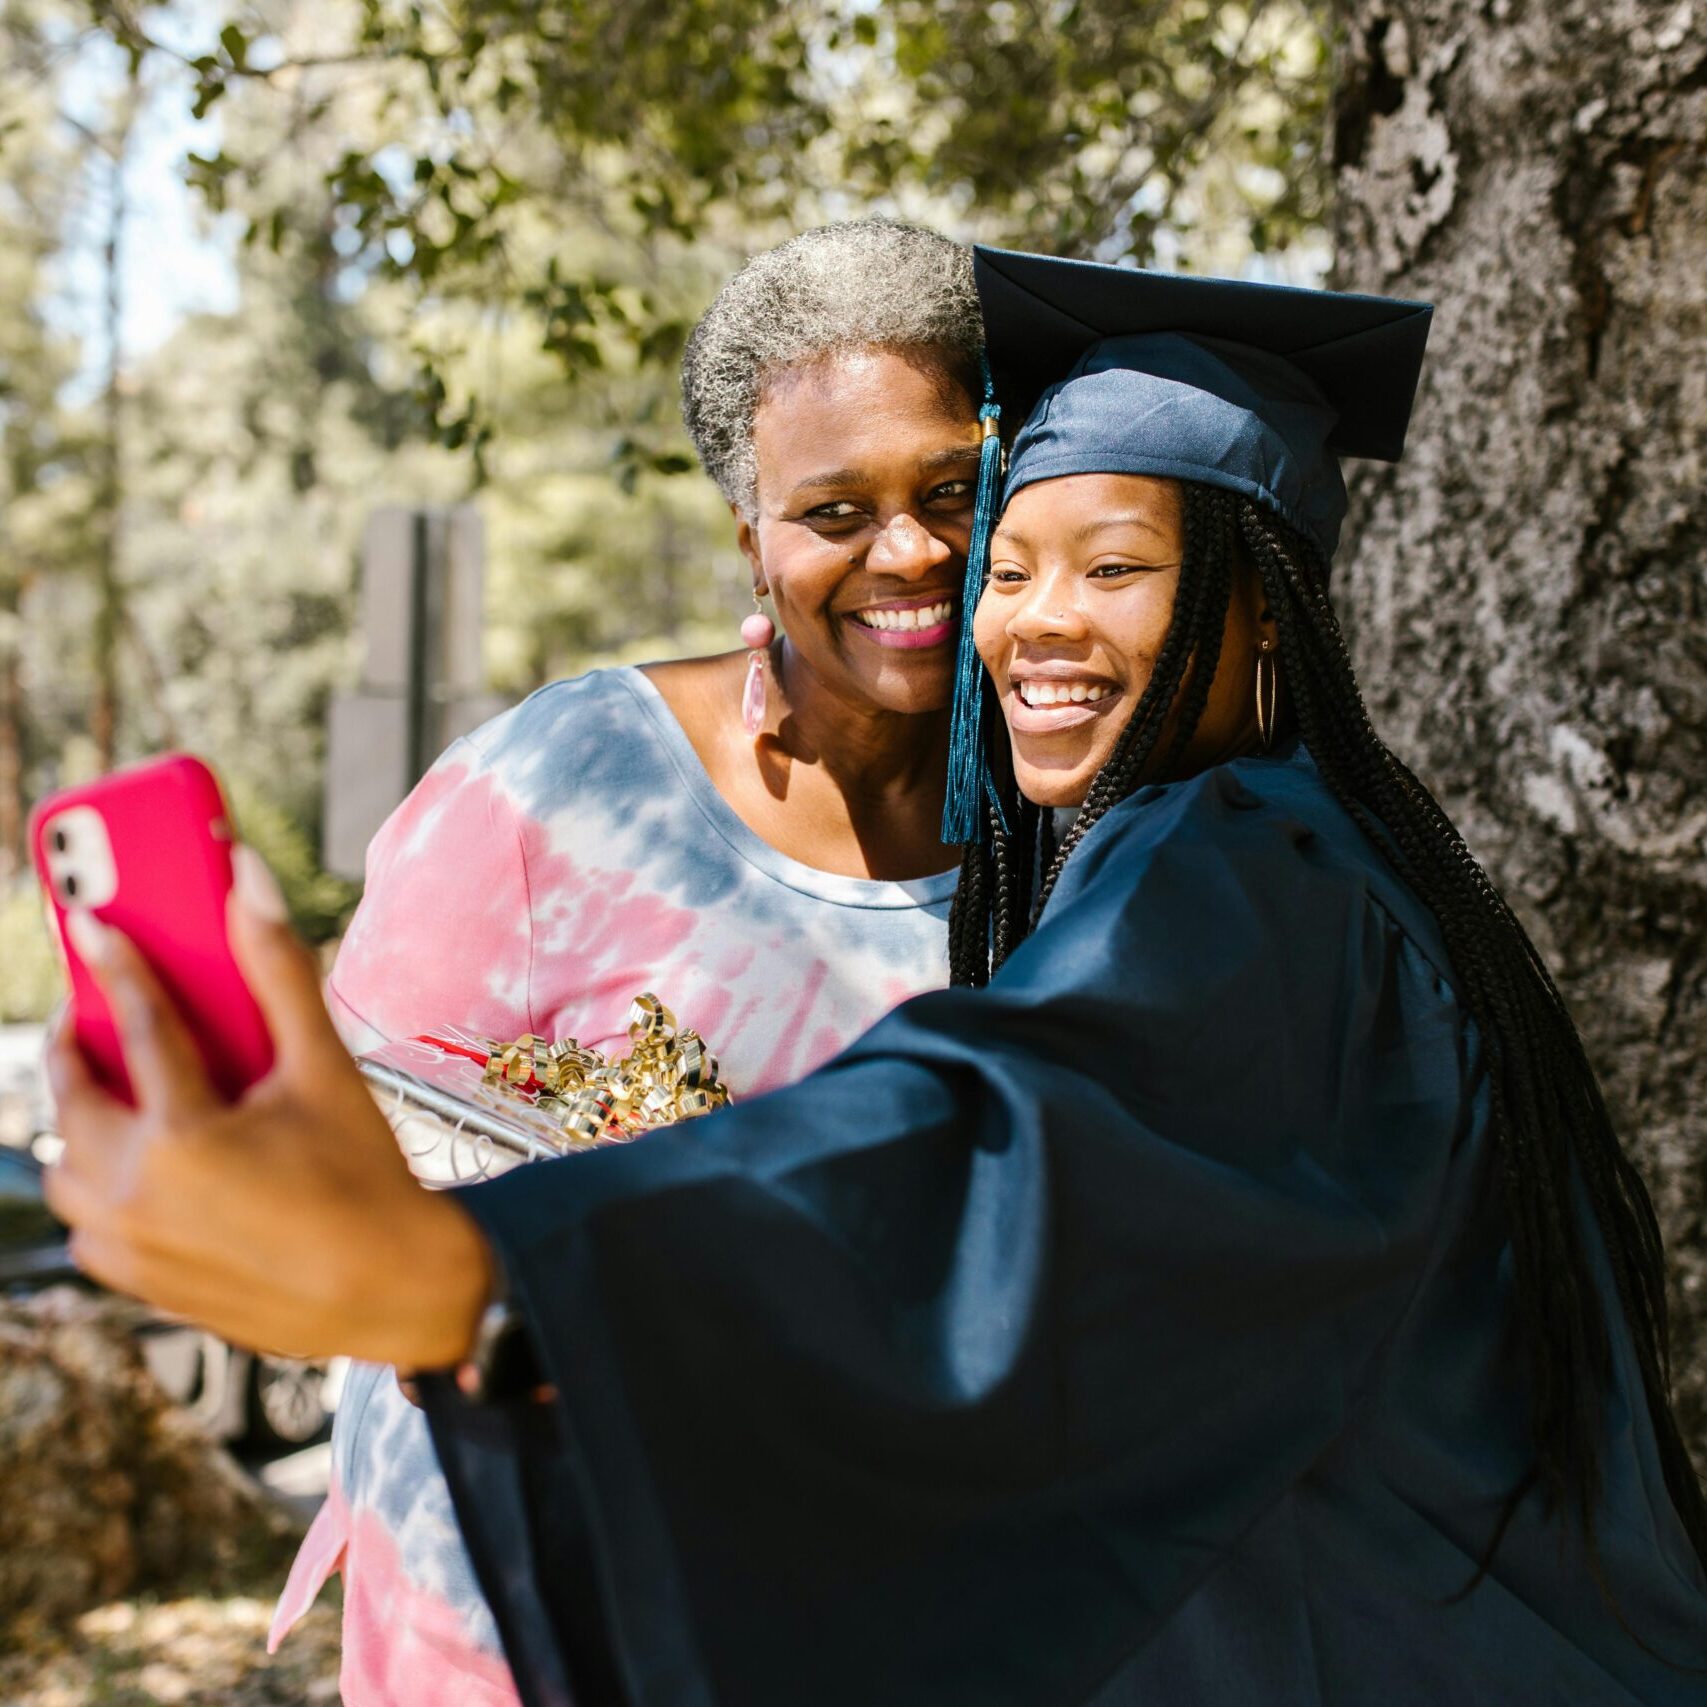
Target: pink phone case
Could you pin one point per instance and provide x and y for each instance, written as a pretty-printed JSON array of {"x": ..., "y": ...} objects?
[{"x": 170, "y": 838}]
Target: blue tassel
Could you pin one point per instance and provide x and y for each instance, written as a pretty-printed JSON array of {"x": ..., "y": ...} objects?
[{"x": 969, "y": 779}]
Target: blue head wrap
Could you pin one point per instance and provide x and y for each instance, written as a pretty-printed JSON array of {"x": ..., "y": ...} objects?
[{"x": 1190, "y": 409}]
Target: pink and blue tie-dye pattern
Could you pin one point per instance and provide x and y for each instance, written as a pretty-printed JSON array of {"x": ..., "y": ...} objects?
[{"x": 567, "y": 855}]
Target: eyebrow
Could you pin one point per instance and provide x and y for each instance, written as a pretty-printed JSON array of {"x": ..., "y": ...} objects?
[
  {"x": 956, "y": 456},
  {"x": 1098, "y": 524}
]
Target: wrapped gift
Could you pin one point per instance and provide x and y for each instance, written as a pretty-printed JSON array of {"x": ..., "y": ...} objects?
[{"x": 467, "y": 1108}]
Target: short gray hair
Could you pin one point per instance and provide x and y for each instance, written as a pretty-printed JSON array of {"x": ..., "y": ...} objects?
[{"x": 862, "y": 284}]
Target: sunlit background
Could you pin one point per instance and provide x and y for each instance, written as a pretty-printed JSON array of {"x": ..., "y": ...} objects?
[{"x": 265, "y": 268}]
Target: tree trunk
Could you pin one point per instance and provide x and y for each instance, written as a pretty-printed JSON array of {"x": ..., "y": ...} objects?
[
  {"x": 1525, "y": 593},
  {"x": 14, "y": 856},
  {"x": 109, "y": 578}
]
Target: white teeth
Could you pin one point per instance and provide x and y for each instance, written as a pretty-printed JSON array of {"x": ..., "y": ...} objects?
[
  {"x": 1062, "y": 693},
  {"x": 927, "y": 616}
]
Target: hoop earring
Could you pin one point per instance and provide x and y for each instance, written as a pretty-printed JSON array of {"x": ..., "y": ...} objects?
[
  {"x": 1268, "y": 692},
  {"x": 757, "y": 633}
]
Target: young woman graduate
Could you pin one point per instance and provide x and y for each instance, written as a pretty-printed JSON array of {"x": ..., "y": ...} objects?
[{"x": 1241, "y": 1299}]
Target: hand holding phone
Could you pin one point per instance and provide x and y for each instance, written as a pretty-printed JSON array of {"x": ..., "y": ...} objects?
[
  {"x": 284, "y": 1220},
  {"x": 148, "y": 850}
]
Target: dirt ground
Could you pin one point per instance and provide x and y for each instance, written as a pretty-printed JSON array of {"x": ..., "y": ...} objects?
[
  {"x": 195, "y": 1650},
  {"x": 139, "y": 1563}
]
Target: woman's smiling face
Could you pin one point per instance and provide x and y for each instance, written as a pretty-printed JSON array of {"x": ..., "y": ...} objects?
[
  {"x": 1083, "y": 574},
  {"x": 867, "y": 466}
]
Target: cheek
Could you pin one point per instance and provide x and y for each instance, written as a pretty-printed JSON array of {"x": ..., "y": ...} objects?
[
  {"x": 802, "y": 569},
  {"x": 987, "y": 631},
  {"x": 1140, "y": 629}
]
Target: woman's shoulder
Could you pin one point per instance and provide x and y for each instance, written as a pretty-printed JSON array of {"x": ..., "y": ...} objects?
[
  {"x": 556, "y": 802},
  {"x": 1278, "y": 805},
  {"x": 559, "y": 711},
  {"x": 597, "y": 734},
  {"x": 579, "y": 755}
]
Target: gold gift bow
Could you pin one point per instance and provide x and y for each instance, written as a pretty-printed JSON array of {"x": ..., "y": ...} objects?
[{"x": 666, "y": 1076}]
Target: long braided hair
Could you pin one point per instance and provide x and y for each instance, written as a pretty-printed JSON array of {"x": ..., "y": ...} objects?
[{"x": 1549, "y": 1122}]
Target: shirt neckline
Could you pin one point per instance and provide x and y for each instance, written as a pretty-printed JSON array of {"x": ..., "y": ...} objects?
[{"x": 746, "y": 842}]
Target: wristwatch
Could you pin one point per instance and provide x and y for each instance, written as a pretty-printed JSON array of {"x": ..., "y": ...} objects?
[{"x": 500, "y": 1365}]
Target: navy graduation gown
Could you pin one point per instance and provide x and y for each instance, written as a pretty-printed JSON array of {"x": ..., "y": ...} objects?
[{"x": 1132, "y": 1331}]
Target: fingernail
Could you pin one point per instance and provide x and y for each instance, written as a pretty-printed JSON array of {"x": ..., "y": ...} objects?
[
  {"x": 92, "y": 939},
  {"x": 256, "y": 887},
  {"x": 61, "y": 1036},
  {"x": 54, "y": 1065}
]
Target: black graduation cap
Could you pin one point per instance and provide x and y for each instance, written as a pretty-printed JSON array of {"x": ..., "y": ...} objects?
[
  {"x": 1256, "y": 387},
  {"x": 1363, "y": 353}
]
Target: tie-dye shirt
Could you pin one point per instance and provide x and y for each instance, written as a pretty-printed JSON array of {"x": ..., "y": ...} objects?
[{"x": 566, "y": 856}]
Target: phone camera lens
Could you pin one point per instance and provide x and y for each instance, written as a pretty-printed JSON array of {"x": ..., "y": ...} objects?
[
  {"x": 69, "y": 887},
  {"x": 61, "y": 841}
]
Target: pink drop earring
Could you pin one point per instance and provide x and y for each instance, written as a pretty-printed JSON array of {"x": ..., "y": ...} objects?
[{"x": 757, "y": 632}]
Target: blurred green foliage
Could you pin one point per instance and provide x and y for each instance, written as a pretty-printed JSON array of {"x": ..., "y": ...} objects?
[
  {"x": 472, "y": 239},
  {"x": 1179, "y": 131},
  {"x": 31, "y": 981},
  {"x": 320, "y": 903}
]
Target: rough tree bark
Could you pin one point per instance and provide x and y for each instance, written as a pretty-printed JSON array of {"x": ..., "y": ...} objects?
[
  {"x": 104, "y": 711},
  {"x": 1526, "y": 592},
  {"x": 14, "y": 856}
]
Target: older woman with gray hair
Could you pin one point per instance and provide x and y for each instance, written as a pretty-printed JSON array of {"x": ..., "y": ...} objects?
[{"x": 755, "y": 836}]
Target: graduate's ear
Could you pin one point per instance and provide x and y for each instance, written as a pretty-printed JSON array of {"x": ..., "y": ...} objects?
[
  {"x": 1268, "y": 705},
  {"x": 1253, "y": 595}
]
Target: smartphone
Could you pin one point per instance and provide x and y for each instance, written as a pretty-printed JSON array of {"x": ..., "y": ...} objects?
[{"x": 148, "y": 850}]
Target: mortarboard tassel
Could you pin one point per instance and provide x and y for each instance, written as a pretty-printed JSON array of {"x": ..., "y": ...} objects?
[{"x": 969, "y": 780}]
